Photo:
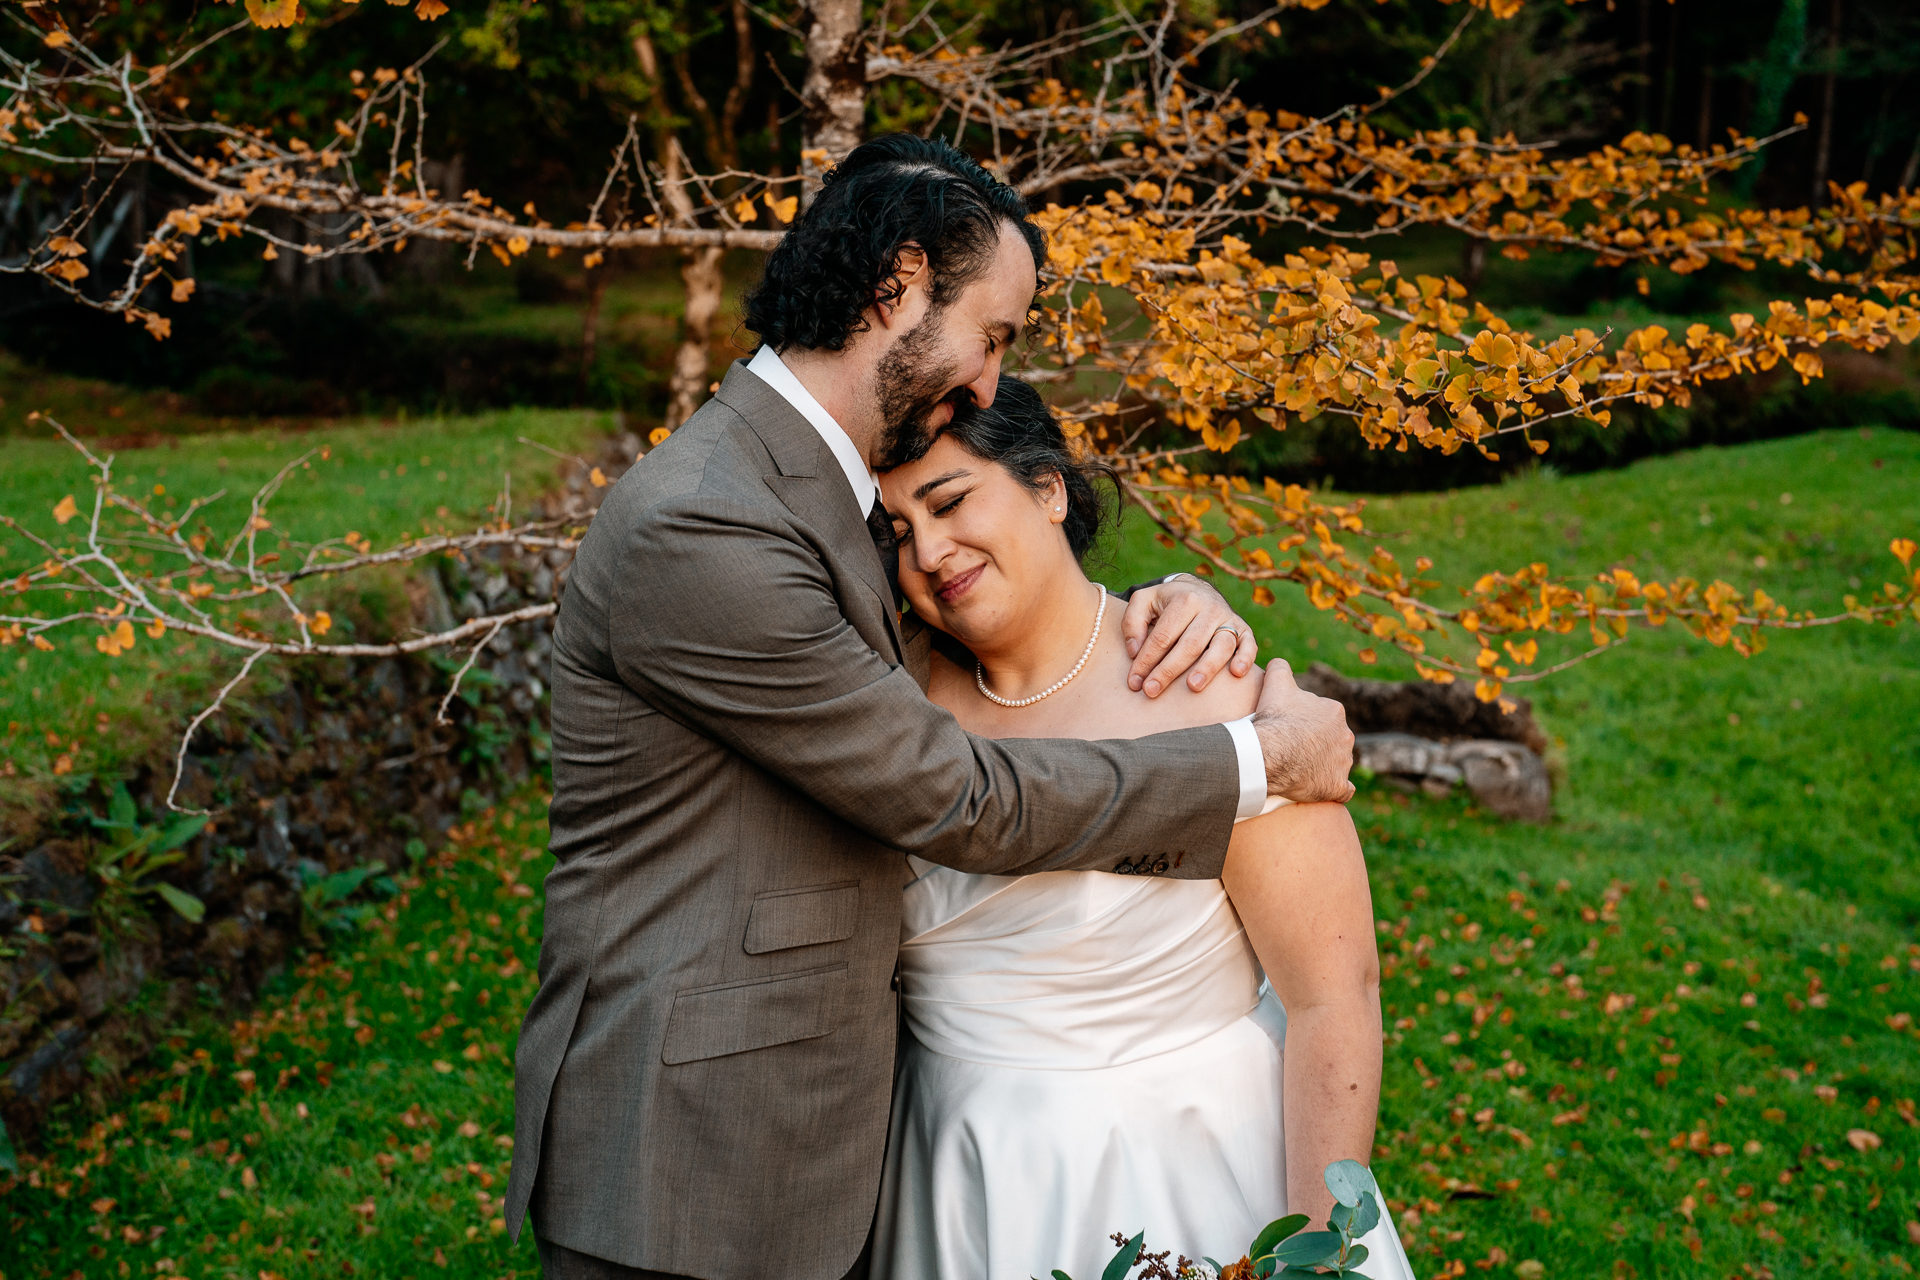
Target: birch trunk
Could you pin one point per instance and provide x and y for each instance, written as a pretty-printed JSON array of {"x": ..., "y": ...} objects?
[{"x": 833, "y": 97}]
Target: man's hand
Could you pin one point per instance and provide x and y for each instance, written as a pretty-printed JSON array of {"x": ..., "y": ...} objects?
[
  {"x": 1305, "y": 739},
  {"x": 1184, "y": 627}
]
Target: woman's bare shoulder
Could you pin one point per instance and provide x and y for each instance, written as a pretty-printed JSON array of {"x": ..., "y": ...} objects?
[{"x": 1226, "y": 697}]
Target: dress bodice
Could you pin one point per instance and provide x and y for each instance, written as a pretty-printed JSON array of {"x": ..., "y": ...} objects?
[{"x": 1070, "y": 969}]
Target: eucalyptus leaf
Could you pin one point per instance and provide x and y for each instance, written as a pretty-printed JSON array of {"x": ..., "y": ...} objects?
[
  {"x": 1273, "y": 1233},
  {"x": 1342, "y": 1218},
  {"x": 1061, "y": 1275},
  {"x": 185, "y": 903},
  {"x": 1367, "y": 1215},
  {"x": 1309, "y": 1249},
  {"x": 1123, "y": 1261},
  {"x": 1355, "y": 1256},
  {"x": 1217, "y": 1268},
  {"x": 1348, "y": 1180},
  {"x": 1264, "y": 1267}
]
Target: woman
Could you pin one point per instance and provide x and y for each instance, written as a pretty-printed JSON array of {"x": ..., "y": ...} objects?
[{"x": 1090, "y": 1053}]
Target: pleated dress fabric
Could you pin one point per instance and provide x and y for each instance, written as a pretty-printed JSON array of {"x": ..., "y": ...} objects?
[{"x": 1085, "y": 1055}]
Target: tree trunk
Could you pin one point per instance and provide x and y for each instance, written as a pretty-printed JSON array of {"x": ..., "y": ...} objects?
[
  {"x": 1473, "y": 262},
  {"x": 833, "y": 97},
  {"x": 590, "y": 328},
  {"x": 1706, "y": 108},
  {"x": 1823, "y": 150},
  {"x": 1779, "y": 68},
  {"x": 689, "y": 386}
]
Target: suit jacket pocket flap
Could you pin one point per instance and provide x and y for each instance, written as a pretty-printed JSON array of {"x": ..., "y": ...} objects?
[
  {"x": 802, "y": 917},
  {"x": 711, "y": 1022}
]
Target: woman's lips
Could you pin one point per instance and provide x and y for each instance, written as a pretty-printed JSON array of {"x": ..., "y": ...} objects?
[{"x": 954, "y": 588}]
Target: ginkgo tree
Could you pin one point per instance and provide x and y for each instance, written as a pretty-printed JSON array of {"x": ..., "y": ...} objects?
[{"x": 1171, "y": 330}]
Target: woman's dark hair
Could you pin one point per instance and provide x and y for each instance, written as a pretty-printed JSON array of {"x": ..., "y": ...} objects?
[
  {"x": 896, "y": 189},
  {"x": 1020, "y": 433}
]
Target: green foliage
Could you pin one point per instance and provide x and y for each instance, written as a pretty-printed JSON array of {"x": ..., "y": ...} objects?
[
  {"x": 362, "y": 1115},
  {"x": 1282, "y": 1242},
  {"x": 326, "y": 899},
  {"x": 126, "y": 862},
  {"x": 103, "y": 715}
]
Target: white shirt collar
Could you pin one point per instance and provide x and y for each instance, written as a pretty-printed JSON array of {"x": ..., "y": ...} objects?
[{"x": 767, "y": 366}]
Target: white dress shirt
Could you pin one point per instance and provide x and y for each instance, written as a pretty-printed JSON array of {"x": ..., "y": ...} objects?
[{"x": 767, "y": 366}]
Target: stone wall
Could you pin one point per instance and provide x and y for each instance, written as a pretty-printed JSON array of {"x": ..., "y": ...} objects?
[{"x": 339, "y": 764}]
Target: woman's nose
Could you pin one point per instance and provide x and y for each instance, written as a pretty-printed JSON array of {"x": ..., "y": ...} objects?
[{"x": 929, "y": 550}]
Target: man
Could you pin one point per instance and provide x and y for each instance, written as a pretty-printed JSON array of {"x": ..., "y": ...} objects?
[{"x": 742, "y": 754}]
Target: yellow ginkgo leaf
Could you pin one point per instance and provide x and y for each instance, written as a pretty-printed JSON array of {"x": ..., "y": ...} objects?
[
  {"x": 56, "y": 39},
  {"x": 658, "y": 435},
  {"x": 428, "y": 10},
  {"x": 69, "y": 269},
  {"x": 598, "y": 478},
  {"x": 744, "y": 210},
  {"x": 593, "y": 260},
  {"x": 182, "y": 290},
  {"x": 65, "y": 509},
  {"x": 782, "y": 209},
  {"x": 274, "y": 13},
  {"x": 43, "y": 644},
  {"x": 123, "y": 634},
  {"x": 156, "y": 628},
  {"x": 322, "y": 622},
  {"x": 518, "y": 245}
]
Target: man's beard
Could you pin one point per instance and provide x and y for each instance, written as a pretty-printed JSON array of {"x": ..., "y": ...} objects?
[{"x": 910, "y": 384}]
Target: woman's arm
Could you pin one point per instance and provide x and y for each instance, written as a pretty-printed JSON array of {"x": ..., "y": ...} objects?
[{"x": 1299, "y": 882}]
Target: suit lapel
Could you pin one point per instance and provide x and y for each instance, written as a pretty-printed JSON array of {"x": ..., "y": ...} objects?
[{"x": 811, "y": 484}]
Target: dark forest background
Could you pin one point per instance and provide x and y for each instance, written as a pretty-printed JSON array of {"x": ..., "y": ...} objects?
[{"x": 529, "y": 97}]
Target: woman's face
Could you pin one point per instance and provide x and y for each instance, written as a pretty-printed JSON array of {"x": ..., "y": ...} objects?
[{"x": 976, "y": 543}]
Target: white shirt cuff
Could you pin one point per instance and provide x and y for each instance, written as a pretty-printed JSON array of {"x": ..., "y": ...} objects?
[{"x": 1253, "y": 769}]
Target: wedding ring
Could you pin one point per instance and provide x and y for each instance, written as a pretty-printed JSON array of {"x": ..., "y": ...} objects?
[{"x": 1233, "y": 629}]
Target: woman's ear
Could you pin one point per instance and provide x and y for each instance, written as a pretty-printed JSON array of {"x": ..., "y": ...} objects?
[{"x": 1053, "y": 499}]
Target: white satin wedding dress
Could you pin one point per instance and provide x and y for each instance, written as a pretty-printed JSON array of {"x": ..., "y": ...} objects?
[{"x": 1086, "y": 1054}]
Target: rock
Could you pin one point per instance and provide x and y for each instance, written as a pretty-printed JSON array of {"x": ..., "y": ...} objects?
[
  {"x": 1504, "y": 776},
  {"x": 1442, "y": 712},
  {"x": 1507, "y": 778},
  {"x": 56, "y": 873},
  {"x": 34, "y": 1078}
]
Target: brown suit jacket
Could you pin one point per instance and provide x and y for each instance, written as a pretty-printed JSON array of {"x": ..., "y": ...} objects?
[{"x": 742, "y": 750}]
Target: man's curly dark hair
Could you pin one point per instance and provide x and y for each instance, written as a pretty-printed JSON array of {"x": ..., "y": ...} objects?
[{"x": 892, "y": 191}]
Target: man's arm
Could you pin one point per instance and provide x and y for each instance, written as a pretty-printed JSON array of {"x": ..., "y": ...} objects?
[{"x": 728, "y": 623}]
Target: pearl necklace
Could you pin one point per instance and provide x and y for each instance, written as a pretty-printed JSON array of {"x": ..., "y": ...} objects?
[{"x": 980, "y": 670}]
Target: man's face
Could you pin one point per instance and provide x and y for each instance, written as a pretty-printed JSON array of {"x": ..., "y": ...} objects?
[{"x": 953, "y": 354}]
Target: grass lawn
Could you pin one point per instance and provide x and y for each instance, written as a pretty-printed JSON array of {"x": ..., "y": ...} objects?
[
  {"x": 382, "y": 480},
  {"x": 1669, "y": 1035}
]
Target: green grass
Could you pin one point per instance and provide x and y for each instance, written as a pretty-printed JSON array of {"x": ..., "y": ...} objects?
[
  {"x": 380, "y": 480},
  {"x": 359, "y": 1123},
  {"x": 1640, "y": 1121},
  {"x": 1780, "y": 790}
]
